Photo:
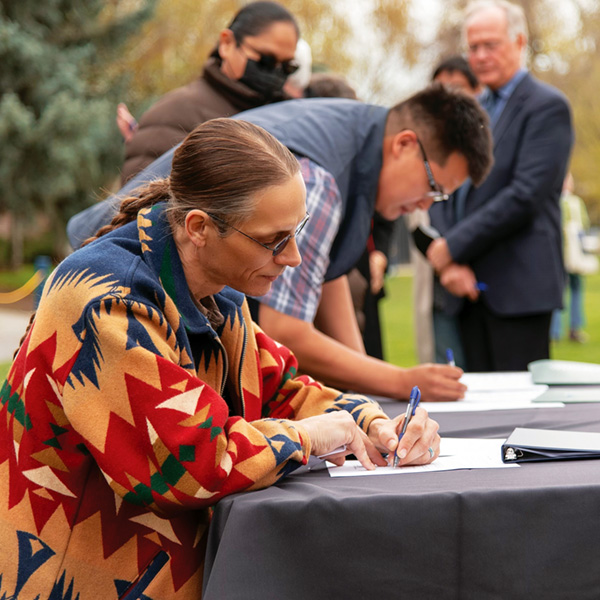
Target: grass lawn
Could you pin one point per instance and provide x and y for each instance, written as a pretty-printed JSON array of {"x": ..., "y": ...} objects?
[{"x": 398, "y": 330}]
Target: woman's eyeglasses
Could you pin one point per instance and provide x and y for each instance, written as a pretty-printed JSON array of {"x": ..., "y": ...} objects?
[{"x": 279, "y": 247}]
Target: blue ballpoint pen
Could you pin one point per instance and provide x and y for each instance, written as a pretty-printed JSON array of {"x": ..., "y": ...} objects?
[
  {"x": 415, "y": 398},
  {"x": 450, "y": 357}
]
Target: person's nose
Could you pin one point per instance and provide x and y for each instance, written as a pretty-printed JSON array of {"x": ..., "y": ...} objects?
[
  {"x": 422, "y": 204},
  {"x": 290, "y": 257}
]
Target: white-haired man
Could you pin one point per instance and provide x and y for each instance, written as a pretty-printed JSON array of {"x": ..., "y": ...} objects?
[{"x": 500, "y": 255}]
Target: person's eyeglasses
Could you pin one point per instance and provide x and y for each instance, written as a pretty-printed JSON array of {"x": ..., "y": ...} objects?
[
  {"x": 279, "y": 247},
  {"x": 436, "y": 193},
  {"x": 487, "y": 47},
  {"x": 268, "y": 62}
]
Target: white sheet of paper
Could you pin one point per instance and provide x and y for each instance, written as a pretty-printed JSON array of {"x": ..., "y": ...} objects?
[
  {"x": 456, "y": 453},
  {"x": 504, "y": 404},
  {"x": 500, "y": 380},
  {"x": 501, "y": 397}
]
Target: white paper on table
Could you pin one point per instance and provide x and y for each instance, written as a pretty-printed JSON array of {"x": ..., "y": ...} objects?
[
  {"x": 503, "y": 399},
  {"x": 465, "y": 406},
  {"x": 499, "y": 380},
  {"x": 456, "y": 453}
]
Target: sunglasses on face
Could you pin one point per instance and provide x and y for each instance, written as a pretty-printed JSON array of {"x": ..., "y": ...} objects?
[
  {"x": 268, "y": 62},
  {"x": 279, "y": 247}
]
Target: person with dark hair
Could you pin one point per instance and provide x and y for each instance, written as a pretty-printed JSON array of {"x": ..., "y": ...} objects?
[
  {"x": 499, "y": 256},
  {"x": 143, "y": 393},
  {"x": 329, "y": 85},
  {"x": 355, "y": 158},
  {"x": 456, "y": 72},
  {"x": 248, "y": 67}
]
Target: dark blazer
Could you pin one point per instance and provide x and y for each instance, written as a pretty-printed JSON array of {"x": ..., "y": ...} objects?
[{"x": 511, "y": 230}]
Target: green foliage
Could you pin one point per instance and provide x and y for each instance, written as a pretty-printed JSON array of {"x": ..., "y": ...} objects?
[
  {"x": 57, "y": 119},
  {"x": 42, "y": 244},
  {"x": 398, "y": 330},
  {"x": 11, "y": 280}
]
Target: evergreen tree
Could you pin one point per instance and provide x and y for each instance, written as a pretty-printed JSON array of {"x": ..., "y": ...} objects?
[{"x": 58, "y": 137}]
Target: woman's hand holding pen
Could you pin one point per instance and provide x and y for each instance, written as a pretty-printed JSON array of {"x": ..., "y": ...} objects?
[{"x": 413, "y": 449}]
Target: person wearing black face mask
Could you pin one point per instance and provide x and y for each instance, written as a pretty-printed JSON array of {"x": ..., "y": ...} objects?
[
  {"x": 267, "y": 75},
  {"x": 248, "y": 67}
]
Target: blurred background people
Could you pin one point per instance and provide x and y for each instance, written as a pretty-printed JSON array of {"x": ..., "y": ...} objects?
[
  {"x": 456, "y": 73},
  {"x": 435, "y": 330},
  {"x": 500, "y": 254},
  {"x": 575, "y": 223},
  {"x": 253, "y": 57},
  {"x": 329, "y": 85}
]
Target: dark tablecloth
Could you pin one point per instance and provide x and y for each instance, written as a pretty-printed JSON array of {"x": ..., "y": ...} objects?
[{"x": 531, "y": 532}]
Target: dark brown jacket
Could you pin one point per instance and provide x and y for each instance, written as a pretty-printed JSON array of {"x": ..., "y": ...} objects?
[{"x": 173, "y": 116}]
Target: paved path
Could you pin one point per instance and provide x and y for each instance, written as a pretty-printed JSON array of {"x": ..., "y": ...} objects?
[{"x": 13, "y": 323}]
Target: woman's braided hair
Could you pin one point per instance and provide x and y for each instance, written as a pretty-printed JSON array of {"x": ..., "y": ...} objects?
[{"x": 219, "y": 167}]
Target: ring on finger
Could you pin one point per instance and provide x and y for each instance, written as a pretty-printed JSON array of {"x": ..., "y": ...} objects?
[{"x": 431, "y": 452}]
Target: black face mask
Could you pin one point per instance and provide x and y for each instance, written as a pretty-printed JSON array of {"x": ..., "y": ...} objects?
[{"x": 266, "y": 82}]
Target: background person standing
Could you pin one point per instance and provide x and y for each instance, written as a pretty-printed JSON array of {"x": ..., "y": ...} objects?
[
  {"x": 577, "y": 263},
  {"x": 248, "y": 67},
  {"x": 506, "y": 233}
]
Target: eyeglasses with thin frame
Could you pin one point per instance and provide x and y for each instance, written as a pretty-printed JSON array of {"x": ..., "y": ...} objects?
[
  {"x": 268, "y": 62},
  {"x": 279, "y": 247},
  {"x": 436, "y": 193}
]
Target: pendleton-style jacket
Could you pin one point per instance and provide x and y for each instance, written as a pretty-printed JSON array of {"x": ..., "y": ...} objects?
[{"x": 126, "y": 415}]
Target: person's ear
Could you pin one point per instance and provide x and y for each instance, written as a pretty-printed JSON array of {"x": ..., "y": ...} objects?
[
  {"x": 197, "y": 227},
  {"x": 227, "y": 44},
  {"x": 402, "y": 141},
  {"x": 521, "y": 41}
]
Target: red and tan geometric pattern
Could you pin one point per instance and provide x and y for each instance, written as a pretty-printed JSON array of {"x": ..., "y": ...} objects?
[{"x": 125, "y": 416}]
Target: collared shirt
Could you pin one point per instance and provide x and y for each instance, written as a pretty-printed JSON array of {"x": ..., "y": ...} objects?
[
  {"x": 502, "y": 96},
  {"x": 297, "y": 291}
]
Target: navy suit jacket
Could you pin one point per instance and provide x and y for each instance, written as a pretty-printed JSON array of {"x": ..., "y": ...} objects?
[{"x": 510, "y": 234}]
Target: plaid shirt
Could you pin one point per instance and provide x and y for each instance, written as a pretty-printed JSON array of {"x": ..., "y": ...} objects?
[{"x": 297, "y": 292}]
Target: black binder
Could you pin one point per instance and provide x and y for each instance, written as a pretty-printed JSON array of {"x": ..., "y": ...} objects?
[{"x": 529, "y": 445}]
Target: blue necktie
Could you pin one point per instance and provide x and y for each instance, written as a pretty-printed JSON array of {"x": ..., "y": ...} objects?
[{"x": 490, "y": 105}]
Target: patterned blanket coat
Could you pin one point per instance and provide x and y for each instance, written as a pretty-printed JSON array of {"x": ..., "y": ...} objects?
[{"x": 125, "y": 416}]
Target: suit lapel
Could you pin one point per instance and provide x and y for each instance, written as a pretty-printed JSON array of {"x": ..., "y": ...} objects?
[{"x": 512, "y": 107}]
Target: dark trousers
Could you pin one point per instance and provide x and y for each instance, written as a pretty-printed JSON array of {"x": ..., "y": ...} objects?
[{"x": 495, "y": 343}]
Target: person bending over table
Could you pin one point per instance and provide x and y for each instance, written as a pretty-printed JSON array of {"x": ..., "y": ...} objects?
[
  {"x": 356, "y": 158},
  {"x": 143, "y": 393}
]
